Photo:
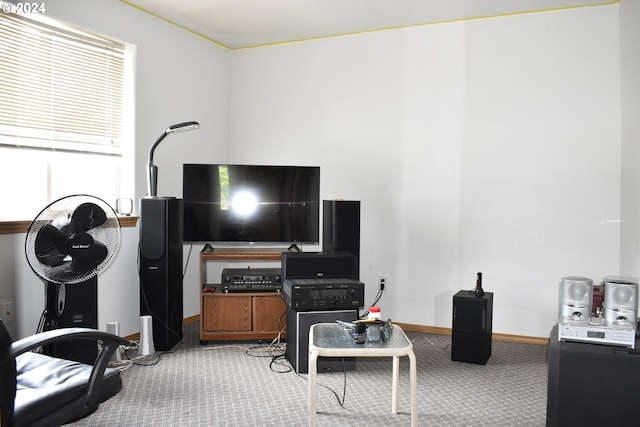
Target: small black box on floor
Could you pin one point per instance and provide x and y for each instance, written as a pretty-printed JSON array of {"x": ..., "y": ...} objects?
[{"x": 472, "y": 327}]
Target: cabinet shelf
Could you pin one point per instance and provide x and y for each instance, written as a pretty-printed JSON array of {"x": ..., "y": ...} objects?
[{"x": 238, "y": 315}]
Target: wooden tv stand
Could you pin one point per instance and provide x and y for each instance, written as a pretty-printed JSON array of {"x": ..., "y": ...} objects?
[{"x": 238, "y": 315}]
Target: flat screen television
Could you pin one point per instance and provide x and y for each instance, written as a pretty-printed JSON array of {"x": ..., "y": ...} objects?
[{"x": 225, "y": 203}]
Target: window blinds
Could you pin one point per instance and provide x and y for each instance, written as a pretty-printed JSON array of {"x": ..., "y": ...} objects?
[{"x": 60, "y": 88}]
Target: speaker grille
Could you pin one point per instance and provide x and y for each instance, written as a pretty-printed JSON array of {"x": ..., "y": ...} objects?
[
  {"x": 620, "y": 301},
  {"x": 576, "y": 295}
]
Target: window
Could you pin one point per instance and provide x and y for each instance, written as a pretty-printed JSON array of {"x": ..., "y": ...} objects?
[{"x": 64, "y": 126}]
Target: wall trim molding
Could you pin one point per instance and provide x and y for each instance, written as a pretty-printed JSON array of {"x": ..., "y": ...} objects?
[
  {"x": 15, "y": 227},
  {"x": 520, "y": 339}
]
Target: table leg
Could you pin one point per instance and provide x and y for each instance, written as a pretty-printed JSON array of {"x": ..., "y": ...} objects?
[
  {"x": 313, "y": 374},
  {"x": 394, "y": 390},
  {"x": 413, "y": 379}
]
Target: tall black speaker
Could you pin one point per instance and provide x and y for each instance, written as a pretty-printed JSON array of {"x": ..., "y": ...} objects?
[
  {"x": 341, "y": 228},
  {"x": 161, "y": 268},
  {"x": 72, "y": 306},
  {"x": 298, "y": 326},
  {"x": 472, "y": 327}
]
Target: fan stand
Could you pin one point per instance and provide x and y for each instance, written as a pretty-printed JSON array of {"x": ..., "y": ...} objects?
[{"x": 72, "y": 306}]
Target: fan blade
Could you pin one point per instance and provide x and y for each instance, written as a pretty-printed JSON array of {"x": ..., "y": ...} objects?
[
  {"x": 50, "y": 245},
  {"x": 87, "y": 216},
  {"x": 90, "y": 258}
]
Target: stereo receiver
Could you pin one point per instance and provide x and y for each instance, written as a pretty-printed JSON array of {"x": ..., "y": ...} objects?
[
  {"x": 251, "y": 280},
  {"x": 323, "y": 294}
]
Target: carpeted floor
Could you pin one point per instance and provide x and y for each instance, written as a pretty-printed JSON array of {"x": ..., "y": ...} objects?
[{"x": 247, "y": 384}]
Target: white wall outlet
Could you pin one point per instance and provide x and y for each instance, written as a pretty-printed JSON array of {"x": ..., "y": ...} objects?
[
  {"x": 6, "y": 311},
  {"x": 383, "y": 282}
]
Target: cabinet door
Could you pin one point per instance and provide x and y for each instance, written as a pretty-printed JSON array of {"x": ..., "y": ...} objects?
[
  {"x": 227, "y": 313},
  {"x": 268, "y": 313},
  {"x": 470, "y": 315}
]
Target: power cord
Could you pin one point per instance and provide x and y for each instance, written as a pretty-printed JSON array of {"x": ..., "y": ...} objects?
[
  {"x": 186, "y": 264},
  {"x": 375, "y": 301},
  {"x": 123, "y": 365},
  {"x": 344, "y": 384}
]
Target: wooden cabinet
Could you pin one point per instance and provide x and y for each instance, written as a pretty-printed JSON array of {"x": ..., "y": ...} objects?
[{"x": 239, "y": 315}]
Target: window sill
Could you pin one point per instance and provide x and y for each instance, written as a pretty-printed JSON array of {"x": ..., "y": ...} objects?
[{"x": 13, "y": 227}]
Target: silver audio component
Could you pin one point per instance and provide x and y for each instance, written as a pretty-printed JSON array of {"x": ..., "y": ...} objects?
[{"x": 597, "y": 330}]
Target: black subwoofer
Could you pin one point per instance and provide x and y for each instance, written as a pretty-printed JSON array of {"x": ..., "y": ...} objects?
[
  {"x": 161, "y": 269},
  {"x": 298, "y": 326},
  {"x": 72, "y": 306},
  {"x": 472, "y": 327}
]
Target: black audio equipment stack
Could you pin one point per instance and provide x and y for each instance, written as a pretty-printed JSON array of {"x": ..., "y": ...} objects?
[
  {"x": 306, "y": 275},
  {"x": 472, "y": 327},
  {"x": 161, "y": 268},
  {"x": 323, "y": 287}
]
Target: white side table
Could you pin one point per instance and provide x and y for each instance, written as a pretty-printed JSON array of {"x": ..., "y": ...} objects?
[{"x": 330, "y": 340}]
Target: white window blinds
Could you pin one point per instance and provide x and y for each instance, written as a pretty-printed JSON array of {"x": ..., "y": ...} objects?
[{"x": 60, "y": 88}]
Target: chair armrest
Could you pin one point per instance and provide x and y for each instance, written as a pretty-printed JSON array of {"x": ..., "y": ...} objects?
[
  {"x": 110, "y": 345},
  {"x": 65, "y": 334}
]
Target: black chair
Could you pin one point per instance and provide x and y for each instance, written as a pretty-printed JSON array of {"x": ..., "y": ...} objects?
[{"x": 40, "y": 390}]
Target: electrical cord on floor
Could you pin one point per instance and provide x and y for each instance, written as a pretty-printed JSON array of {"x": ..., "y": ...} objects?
[
  {"x": 280, "y": 361},
  {"x": 276, "y": 350},
  {"x": 140, "y": 360},
  {"x": 344, "y": 384}
]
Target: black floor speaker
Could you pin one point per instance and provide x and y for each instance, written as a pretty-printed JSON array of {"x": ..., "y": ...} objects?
[
  {"x": 341, "y": 228},
  {"x": 298, "y": 325},
  {"x": 72, "y": 306},
  {"x": 472, "y": 327},
  {"x": 161, "y": 269}
]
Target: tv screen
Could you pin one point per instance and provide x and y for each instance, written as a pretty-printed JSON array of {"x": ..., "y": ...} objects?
[{"x": 251, "y": 203}]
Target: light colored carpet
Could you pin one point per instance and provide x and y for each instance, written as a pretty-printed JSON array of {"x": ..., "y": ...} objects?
[{"x": 225, "y": 384}]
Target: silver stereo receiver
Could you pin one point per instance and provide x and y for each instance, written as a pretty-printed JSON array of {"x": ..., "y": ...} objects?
[{"x": 597, "y": 330}]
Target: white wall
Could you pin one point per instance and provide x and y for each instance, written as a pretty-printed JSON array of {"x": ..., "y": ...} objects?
[
  {"x": 179, "y": 77},
  {"x": 630, "y": 136},
  {"x": 490, "y": 145}
]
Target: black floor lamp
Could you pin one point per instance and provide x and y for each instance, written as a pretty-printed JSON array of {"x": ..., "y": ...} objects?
[{"x": 160, "y": 258}]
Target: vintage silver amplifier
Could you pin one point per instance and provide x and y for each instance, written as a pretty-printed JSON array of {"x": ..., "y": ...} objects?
[{"x": 597, "y": 330}]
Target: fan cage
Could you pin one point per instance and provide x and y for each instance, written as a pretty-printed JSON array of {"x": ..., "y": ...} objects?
[{"x": 58, "y": 214}]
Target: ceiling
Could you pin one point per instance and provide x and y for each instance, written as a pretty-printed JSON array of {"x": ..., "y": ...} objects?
[{"x": 238, "y": 24}]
